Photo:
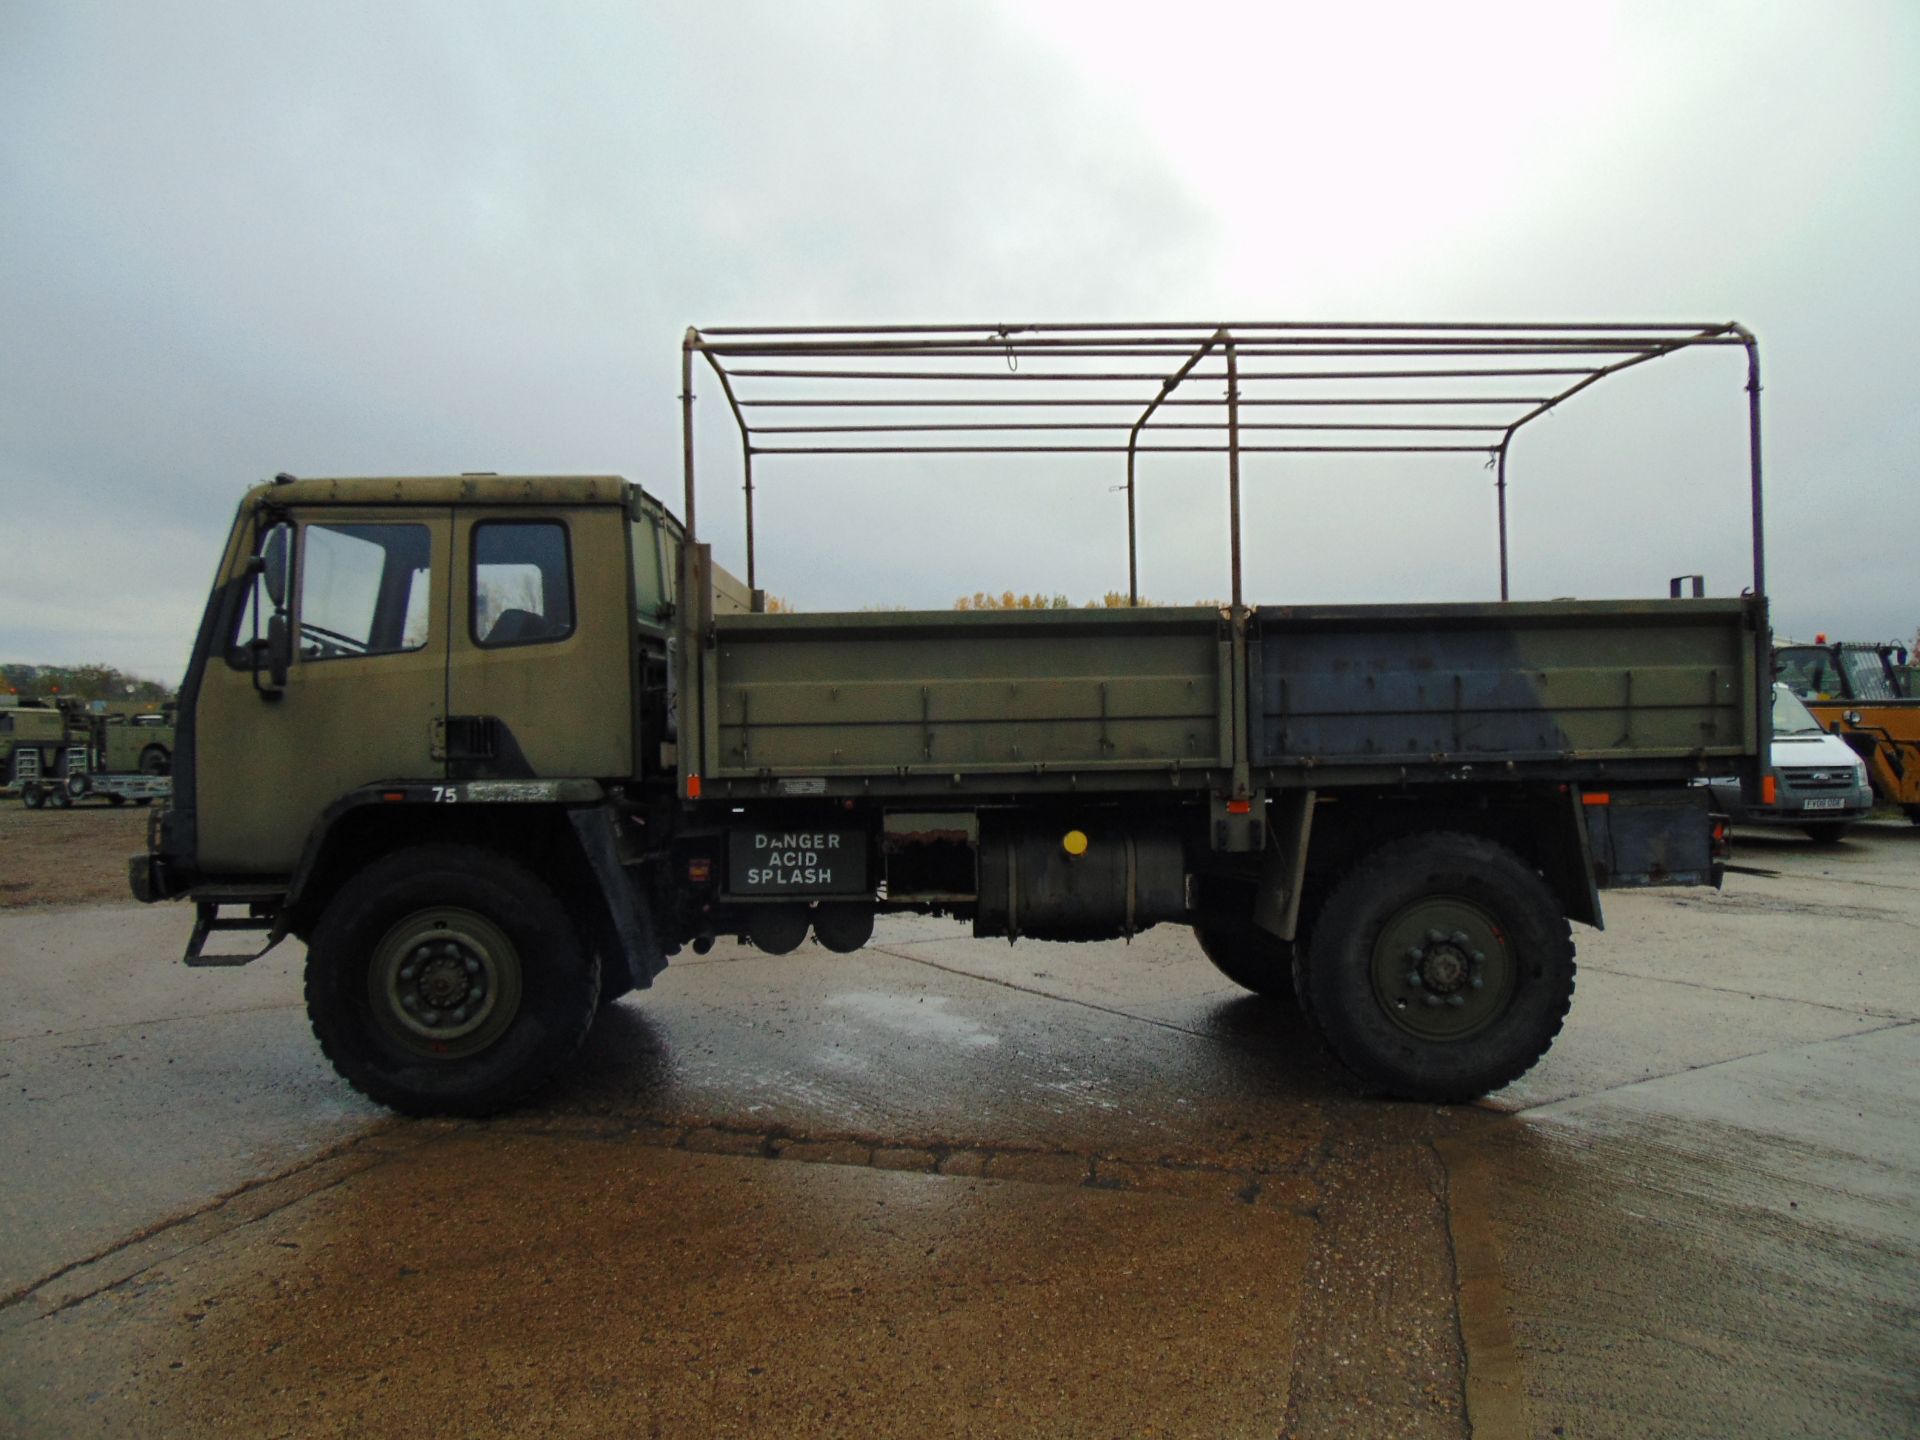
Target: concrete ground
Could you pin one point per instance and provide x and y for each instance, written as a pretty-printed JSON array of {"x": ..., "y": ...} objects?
[{"x": 949, "y": 1185}]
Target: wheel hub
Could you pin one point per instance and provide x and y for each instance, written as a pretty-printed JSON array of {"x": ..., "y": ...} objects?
[
  {"x": 445, "y": 982},
  {"x": 1442, "y": 968},
  {"x": 442, "y": 983},
  {"x": 1444, "y": 965}
]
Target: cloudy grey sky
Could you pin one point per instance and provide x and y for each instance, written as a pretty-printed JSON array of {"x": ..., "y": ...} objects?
[{"x": 411, "y": 237}]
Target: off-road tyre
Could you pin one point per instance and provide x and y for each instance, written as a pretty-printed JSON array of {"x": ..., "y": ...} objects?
[
  {"x": 154, "y": 760},
  {"x": 1400, "y": 912},
  {"x": 843, "y": 928},
  {"x": 32, "y": 796},
  {"x": 472, "y": 914},
  {"x": 58, "y": 798},
  {"x": 1250, "y": 957}
]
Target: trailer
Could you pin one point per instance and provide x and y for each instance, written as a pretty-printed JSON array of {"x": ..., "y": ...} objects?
[
  {"x": 71, "y": 779},
  {"x": 497, "y": 748}
]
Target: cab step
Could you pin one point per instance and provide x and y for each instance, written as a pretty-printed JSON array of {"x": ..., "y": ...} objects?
[{"x": 263, "y": 913}]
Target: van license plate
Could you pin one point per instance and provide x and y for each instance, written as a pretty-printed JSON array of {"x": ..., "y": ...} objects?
[{"x": 1836, "y": 803}]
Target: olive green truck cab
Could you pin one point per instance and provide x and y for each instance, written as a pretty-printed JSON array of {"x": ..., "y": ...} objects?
[{"x": 498, "y": 748}]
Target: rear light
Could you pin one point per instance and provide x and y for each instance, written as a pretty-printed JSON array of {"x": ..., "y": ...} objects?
[
  {"x": 693, "y": 787},
  {"x": 1769, "y": 790},
  {"x": 1595, "y": 797},
  {"x": 699, "y": 872}
]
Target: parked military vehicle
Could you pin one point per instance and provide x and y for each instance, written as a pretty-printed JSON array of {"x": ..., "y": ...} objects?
[
  {"x": 1864, "y": 694},
  {"x": 69, "y": 750},
  {"x": 29, "y": 724},
  {"x": 497, "y": 748},
  {"x": 139, "y": 742}
]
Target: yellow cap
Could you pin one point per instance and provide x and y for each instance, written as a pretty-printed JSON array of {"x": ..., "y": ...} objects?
[{"x": 1074, "y": 842}]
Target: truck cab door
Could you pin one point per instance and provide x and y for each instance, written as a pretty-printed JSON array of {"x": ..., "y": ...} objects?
[
  {"x": 540, "y": 673},
  {"x": 354, "y": 603}
]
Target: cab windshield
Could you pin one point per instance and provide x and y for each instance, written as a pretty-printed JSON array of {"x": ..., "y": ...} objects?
[{"x": 1790, "y": 717}]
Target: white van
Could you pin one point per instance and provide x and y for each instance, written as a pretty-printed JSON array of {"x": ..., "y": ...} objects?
[{"x": 1816, "y": 781}]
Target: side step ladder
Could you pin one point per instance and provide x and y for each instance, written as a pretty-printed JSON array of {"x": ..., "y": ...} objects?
[{"x": 263, "y": 912}]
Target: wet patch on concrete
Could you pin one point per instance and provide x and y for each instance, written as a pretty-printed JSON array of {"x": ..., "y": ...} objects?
[{"x": 555, "y": 1284}]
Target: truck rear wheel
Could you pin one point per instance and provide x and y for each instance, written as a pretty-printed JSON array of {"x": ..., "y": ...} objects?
[
  {"x": 1440, "y": 969},
  {"x": 1250, "y": 957},
  {"x": 154, "y": 760},
  {"x": 32, "y": 796},
  {"x": 446, "y": 980}
]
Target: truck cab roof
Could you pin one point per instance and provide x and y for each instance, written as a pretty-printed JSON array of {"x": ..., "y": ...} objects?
[{"x": 539, "y": 490}]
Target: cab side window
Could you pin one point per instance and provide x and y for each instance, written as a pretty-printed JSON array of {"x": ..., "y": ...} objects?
[
  {"x": 364, "y": 590},
  {"x": 1867, "y": 676},
  {"x": 522, "y": 583}
]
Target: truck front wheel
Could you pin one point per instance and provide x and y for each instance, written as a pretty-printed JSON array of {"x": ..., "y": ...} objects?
[
  {"x": 446, "y": 980},
  {"x": 154, "y": 760},
  {"x": 1440, "y": 969}
]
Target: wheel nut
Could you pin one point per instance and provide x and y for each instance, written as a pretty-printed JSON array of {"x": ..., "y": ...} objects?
[
  {"x": 473, "y": 966},
  {"x": 1456, "y": 1001},
  {"x": 1459, "y": 937},
  {"x": 1477, "y": 983},
  {"x": 412, "y": 1002},
  {"x": 1413, "y": 979},
  {"x": 431, "y": 1017},
  {"x": 407, "y": 972},
  {"x": 1433, "y": 1002},
  {"x": 1416, "y": 954},
  {"x": 1435, "y": 937}
]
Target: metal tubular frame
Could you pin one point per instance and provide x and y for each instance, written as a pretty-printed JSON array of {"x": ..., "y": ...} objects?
[{"x": 1370, "y": 367}]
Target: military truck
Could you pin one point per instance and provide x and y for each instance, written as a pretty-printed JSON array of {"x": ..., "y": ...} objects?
[
  {"x": 496, "y": 748},
  {"x": 68, "y": 750},
  {"x": 29, "y": 724},
  {"x": 139, "y": 742}
]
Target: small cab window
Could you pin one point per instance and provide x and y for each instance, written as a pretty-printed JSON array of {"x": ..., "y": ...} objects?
[
  {"x": 364, "y": 590},
  {"x": 522, "y": 583},
  {"x": 655, "y": 560}
]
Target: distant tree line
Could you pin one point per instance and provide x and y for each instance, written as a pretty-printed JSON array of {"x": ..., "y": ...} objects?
[
  {"x": 82, "y": 682},
  {"x": 1009, "y": 600}
]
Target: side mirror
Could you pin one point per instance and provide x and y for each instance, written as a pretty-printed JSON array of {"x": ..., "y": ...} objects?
[{"x": 273, "y": 556}]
